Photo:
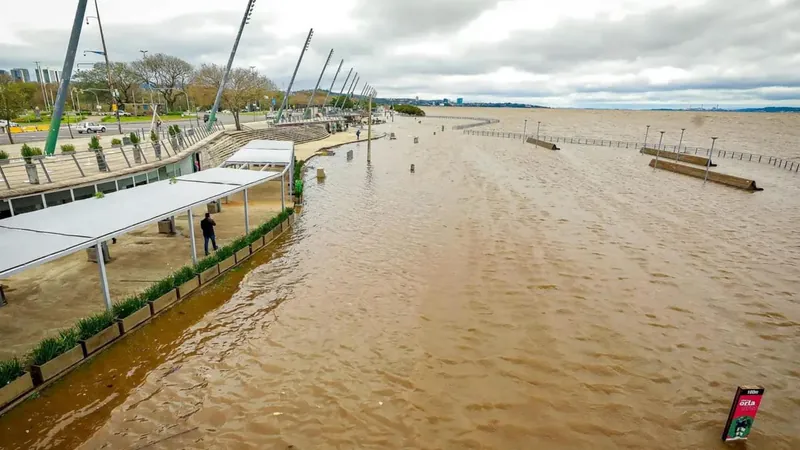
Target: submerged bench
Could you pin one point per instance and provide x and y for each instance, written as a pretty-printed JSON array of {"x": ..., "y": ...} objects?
[
  {"x": 691, "y": 159},
  {"x": 545, "y": 144},
  {"x": 716, "y": 177}
]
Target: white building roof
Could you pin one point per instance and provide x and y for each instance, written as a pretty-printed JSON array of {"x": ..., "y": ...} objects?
[
  {"x": 263, "y": 152},
  {"x": 27, "y": 240}
]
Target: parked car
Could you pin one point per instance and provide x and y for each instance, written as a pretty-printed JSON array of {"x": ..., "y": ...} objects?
[
  {"x": 123, "y": 113},
  {"x": 90, "y": 127},
  {"x": 4, "y": 123}
]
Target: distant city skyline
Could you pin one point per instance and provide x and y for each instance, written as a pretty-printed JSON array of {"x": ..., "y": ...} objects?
[{"x": 24, "y": 74}]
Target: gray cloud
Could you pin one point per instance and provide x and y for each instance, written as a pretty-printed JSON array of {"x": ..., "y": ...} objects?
[
  {"x": 728, "y": 49},
  {"x": 388, "y": 19}
]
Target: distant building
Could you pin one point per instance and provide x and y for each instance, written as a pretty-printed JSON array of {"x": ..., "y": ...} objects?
[
  {"x": 21, "y": 75},
  {"x": 4, "y": 72},
  {"x": 459, "y": 101},
  {"x": 446, "y": 102},
  {"x": 50, "y": 76}
]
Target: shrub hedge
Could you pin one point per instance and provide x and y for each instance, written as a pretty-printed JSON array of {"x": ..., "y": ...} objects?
[
  {"x": 87, "y": 327},
  {"x": 411, "y": 110}
]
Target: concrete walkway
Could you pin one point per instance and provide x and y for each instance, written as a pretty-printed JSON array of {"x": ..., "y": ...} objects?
[{"x": 55, "y": 295}]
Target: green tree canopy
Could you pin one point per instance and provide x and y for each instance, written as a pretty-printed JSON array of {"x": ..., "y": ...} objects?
[
  {"x": 244, "y": 86},
  {"x": 14, "y": 99},
  {"x": 411, "y": 110}
]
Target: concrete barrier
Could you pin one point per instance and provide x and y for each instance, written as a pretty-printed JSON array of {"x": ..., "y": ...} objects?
[
  {"x": 547, "y": 145},
  {"x": 682, "y": 157},
  {"x": 716, "y": 177}
]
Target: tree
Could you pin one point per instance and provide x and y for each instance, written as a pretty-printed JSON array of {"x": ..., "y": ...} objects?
[
  {"x": 244, "y": 86},
  {"x": 166, "y": 74},
  {"x": 14, "y": 98},
  {"x": 411, "y": 110}
]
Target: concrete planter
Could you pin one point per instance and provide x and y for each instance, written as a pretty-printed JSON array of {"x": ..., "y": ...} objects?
[
  {"x": 57, "y": 365},
  {"x": 33, "y": 174},
  {"x": 209, "y": 274},
  {"x": 187, "y": 288},
  {"x": 137, "y": 154},
  {"x": 257, "y": 244},
  {"x": 214, "y": 207},
  {"x": 157, "y": 149},
  {"x": 166, "y": 226},
  {"x": 163, "y": 302},
  {"x": 226, "y": 264},
  {"x": 126, "y": 140},
  {"x": 129, "y": 323},
  {"x": 91, "y": 253},
  {"x": 242, "y": 254},
  {"x": 16, "y": 389},
  {"x": 269, "y": 236},
  {"x": 100, "y": 340}
]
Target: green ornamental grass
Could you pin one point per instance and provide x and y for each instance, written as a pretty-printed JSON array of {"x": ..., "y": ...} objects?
[
  {"x": 10, "y": 370},
  {"x": 89, "y": 326},
  {"x": 52, "y": 347}
]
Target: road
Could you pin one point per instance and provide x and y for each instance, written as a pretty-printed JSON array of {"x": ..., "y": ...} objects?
[{"x": 127, "y": 127}]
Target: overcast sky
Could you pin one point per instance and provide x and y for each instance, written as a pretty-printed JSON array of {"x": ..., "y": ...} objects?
[{"x": 577, "y": 53}]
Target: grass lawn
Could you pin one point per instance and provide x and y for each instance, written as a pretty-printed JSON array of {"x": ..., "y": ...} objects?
[
  {"x": 164, "y": 118},
  {"x": 73, "y": 120}
]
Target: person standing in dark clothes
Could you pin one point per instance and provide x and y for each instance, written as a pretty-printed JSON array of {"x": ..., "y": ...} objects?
[{"x": 207, "y": 225}]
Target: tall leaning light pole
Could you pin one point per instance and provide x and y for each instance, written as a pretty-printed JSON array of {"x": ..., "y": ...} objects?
[
  {"x": 285, "y": 102},
  {"x": 114, "y": 103},
  {"x": 341, "y": 92},
  {"x": 66, "y": 74},
  {"x": 325, "y": 102},
  {"x": 314, "y": 92},
  {"x": 245, "y": 20},
  {"x": 348, "y": 90},
  {"x": 352, "y": 91}
]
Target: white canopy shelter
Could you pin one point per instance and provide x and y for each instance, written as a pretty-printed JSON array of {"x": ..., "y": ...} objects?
[
  {"x": 30, "y": 239},
  {"x": 264, "y": 153}
]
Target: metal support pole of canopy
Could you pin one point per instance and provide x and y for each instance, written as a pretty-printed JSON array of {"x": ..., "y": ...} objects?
[
  {"x": 101, "y": 264},
  {"x": 283, "y": 189},
  {"x": 246, "y": 215},
  {"x": 191, "y": 236}
]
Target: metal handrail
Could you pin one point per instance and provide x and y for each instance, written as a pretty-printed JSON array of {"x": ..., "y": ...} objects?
[{"x": 775, "y": 161}]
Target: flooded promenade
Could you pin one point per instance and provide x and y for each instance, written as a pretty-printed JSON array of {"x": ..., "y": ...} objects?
[{"x": 500, "y": 297}]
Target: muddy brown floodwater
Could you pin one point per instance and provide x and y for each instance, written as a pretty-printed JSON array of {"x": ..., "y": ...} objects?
[{"x": 502, "y": 296}]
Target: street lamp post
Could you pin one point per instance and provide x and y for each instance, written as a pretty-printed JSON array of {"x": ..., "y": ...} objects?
[
  {"x": 343, "y": 86},
  {"x": 708, "y": 160},
  {"x": 285, "y": 103},
  {"x": 524, "y": 130},
  {"x": 66, "y": 72},
  {"x": 330, "y": 89},
  {"x": 680, "y": 142},
  {"x": 645, "y": 139},
  {"x": 114, "y": 105},
  {"x": 245, "y": 20},
  {"x": 658, "y": 149},
  {"x": 314, "y": 92}
]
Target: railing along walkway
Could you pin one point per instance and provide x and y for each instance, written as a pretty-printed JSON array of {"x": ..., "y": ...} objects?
[{"x": 782, "y": 163}]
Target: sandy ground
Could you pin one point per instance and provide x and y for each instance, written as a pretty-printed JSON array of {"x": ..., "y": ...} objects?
[{"x": 55, "y": 295}]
